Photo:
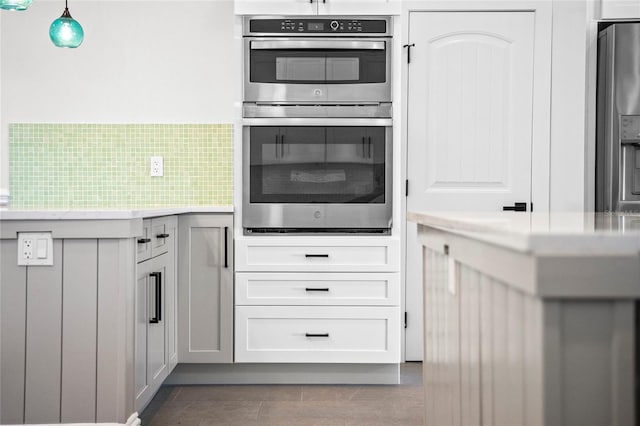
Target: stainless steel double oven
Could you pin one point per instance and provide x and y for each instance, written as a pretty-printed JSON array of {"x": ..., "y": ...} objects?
[{"x": 317, "y": 110}]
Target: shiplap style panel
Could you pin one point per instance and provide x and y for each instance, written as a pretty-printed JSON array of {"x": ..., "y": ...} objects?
[
  {"x": 13, "y": 299},
  {"x": 487, "y": 311},
  {"x": 515, "y": 355},
  {"x": 533, "y": 362},
  {"x": 79, "y": 324},
  {"x": 469, "y": 290},
  {"x": 115, "y": 272},
  {"x": 44, "y": 340}
]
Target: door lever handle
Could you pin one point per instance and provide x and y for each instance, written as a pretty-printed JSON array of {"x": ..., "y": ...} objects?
[{"x": 517, "y": 207}]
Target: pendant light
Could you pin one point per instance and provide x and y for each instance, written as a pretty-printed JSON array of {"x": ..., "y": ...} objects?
[
  {"x": 66, "y": 31},
  {"x": 15, "y": 4}
]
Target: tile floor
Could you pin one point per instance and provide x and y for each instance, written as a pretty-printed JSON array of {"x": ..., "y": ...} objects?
[{"x": 291, "y": 405}]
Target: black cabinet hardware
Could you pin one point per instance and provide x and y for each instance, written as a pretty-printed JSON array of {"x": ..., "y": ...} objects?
[
  {"x": 162, "y": 236},
  {"x": 406, "y": 188},
  {"x": 144, "y": 240},
  {"x": 282, "y": 146},
  {"x": 316, "y": 255},
  {"x": 226, "y": 247},
  {"x": 316, "y": 289},
  {"x": 157, "y": 276},
  {"x": 363, "y": 141},
  {"x": 316, "y": 334},
  {"x": 408, "y": 47},
  {"x": 277, "y": 139},
  {"x": 445, "y": 249},
  {"x": 517, "y": 207}
]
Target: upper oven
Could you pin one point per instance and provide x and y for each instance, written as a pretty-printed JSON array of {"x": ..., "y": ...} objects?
[{"x": 317, "y": 61}]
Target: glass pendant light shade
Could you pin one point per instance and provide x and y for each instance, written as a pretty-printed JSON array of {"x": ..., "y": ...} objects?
[
  {"x": 66, "y": 31},
  {"x": 15, "y": 4}
]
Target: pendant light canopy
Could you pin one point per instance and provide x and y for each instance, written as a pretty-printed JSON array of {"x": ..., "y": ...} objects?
[
  {"x": 15, "y": 4},
  {"x": 66, "y": 31}
]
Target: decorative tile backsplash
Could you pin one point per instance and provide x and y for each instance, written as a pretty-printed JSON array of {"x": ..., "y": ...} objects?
[{"x": 107, "y": 165}]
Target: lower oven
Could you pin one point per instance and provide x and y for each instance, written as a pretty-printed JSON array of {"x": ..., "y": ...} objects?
[{"x": 317, "y": 175}]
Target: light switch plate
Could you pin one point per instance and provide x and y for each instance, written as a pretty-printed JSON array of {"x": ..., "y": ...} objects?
[{"x": 35, "y": 248}]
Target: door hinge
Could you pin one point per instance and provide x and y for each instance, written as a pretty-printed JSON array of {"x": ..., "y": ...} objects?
[
  {"x": 408, "y": 47},
  {"x": 406, "y": 188},
  {"x": 405, "y": 319}
]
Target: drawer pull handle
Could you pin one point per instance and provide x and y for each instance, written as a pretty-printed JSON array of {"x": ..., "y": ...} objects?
[
  {"x": 316, "y": 255},
  {"x": 316, "y": 289},
  {"x": 162, "y": 236},
  {"x": 144, "y": 240},
  {"x": 316, "y": 334}
]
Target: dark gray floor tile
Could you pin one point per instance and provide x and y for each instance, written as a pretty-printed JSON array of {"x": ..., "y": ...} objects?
[
  {"x": 328, "y": 392},
  {"x": 239, "y": 393}
]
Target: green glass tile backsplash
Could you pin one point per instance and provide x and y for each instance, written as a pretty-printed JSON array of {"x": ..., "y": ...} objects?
[{"x": 107, "y": 165}]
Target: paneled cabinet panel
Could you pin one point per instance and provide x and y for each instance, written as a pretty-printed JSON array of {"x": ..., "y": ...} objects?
[
  {"x": 369, "y": 254},
  {"x": 317, "y": 7},
  {"x": 318, "y": 289},
  {"x": 318, "y": 334},
  {"x": 155, "y": 312},
  {"x": 206, "y": 288}
]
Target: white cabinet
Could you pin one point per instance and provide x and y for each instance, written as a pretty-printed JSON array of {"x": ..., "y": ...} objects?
[
  {"x": 155, "y": 308},
  {"x": 318, "y": 334},
  {"x": 317, "y": 7},
  {"x": 620, "y": 9},
  {"x": 206, "y": 288},
  {"x": 317, "y": 299}
]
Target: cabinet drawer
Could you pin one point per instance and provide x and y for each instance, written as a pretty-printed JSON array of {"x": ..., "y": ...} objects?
[
  {"x": 156, "y": 237},
  {"x": 159, "y": 237},
  {"x": 143, "y": 246},
  {"x": 371, "y": 289},
  {"x": 318, "y": 334},
  {"x": 366, "y": 255}
]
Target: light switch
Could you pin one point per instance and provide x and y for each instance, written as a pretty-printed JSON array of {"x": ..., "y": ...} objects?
[
  {"x": 35, "y": 248},
  {"x": 41, "y": 248}
]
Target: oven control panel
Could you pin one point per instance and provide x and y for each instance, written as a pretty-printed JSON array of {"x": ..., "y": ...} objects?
[{"x": 323, "y": 26}]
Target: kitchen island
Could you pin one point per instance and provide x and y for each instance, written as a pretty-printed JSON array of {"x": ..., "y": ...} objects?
[{"x": 530, "y": 318}]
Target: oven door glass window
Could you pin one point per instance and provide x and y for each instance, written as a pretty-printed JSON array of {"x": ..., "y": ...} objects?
[
  {"x": 307, "y": 66},
  {"x": 309, "y": 164}
]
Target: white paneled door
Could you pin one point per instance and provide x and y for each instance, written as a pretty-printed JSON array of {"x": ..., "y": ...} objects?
[{"x": 470, "y": 122}]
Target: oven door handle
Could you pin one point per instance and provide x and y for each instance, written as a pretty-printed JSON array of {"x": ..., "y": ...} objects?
[{"x": 317, "y": 44}]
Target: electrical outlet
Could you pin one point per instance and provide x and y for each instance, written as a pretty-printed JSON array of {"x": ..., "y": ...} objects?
[
  {"x": 157, "y": 166},
  {"x": 35, "y": 248}
]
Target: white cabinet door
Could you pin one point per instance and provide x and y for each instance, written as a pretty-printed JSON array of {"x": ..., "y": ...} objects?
[
  {"x": 478, "y": 98},
  {"x": 620, "y": 9},
  {"x": 317, "y": 7},
  {"x": 359, "y": 7},
  {"x": 275, "y": 7},
  {"x": 205, "y": 290},
  {"x": 156, "y": 343},
  {"x": 143, "y": 381}
]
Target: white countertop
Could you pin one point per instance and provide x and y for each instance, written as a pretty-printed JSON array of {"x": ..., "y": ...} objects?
[
  {"x": 541, "y": 233},
  {"x": 106, "y": 214}
]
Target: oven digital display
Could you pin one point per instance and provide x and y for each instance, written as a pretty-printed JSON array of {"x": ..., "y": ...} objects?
[{"x": 315, "y": 26}]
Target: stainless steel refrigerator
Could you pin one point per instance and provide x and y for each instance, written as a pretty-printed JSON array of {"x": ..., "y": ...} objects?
[{"x": 618, "y": 115}]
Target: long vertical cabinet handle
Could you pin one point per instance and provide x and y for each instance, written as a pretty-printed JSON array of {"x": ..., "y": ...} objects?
[
  {"x": 226, "y": 247},
  {"x": 157, "y": 276}
]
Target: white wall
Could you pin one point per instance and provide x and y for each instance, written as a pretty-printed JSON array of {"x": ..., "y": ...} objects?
[
  {"x": 141, "y": 62},
  {"x": 570, "y": 123}
]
